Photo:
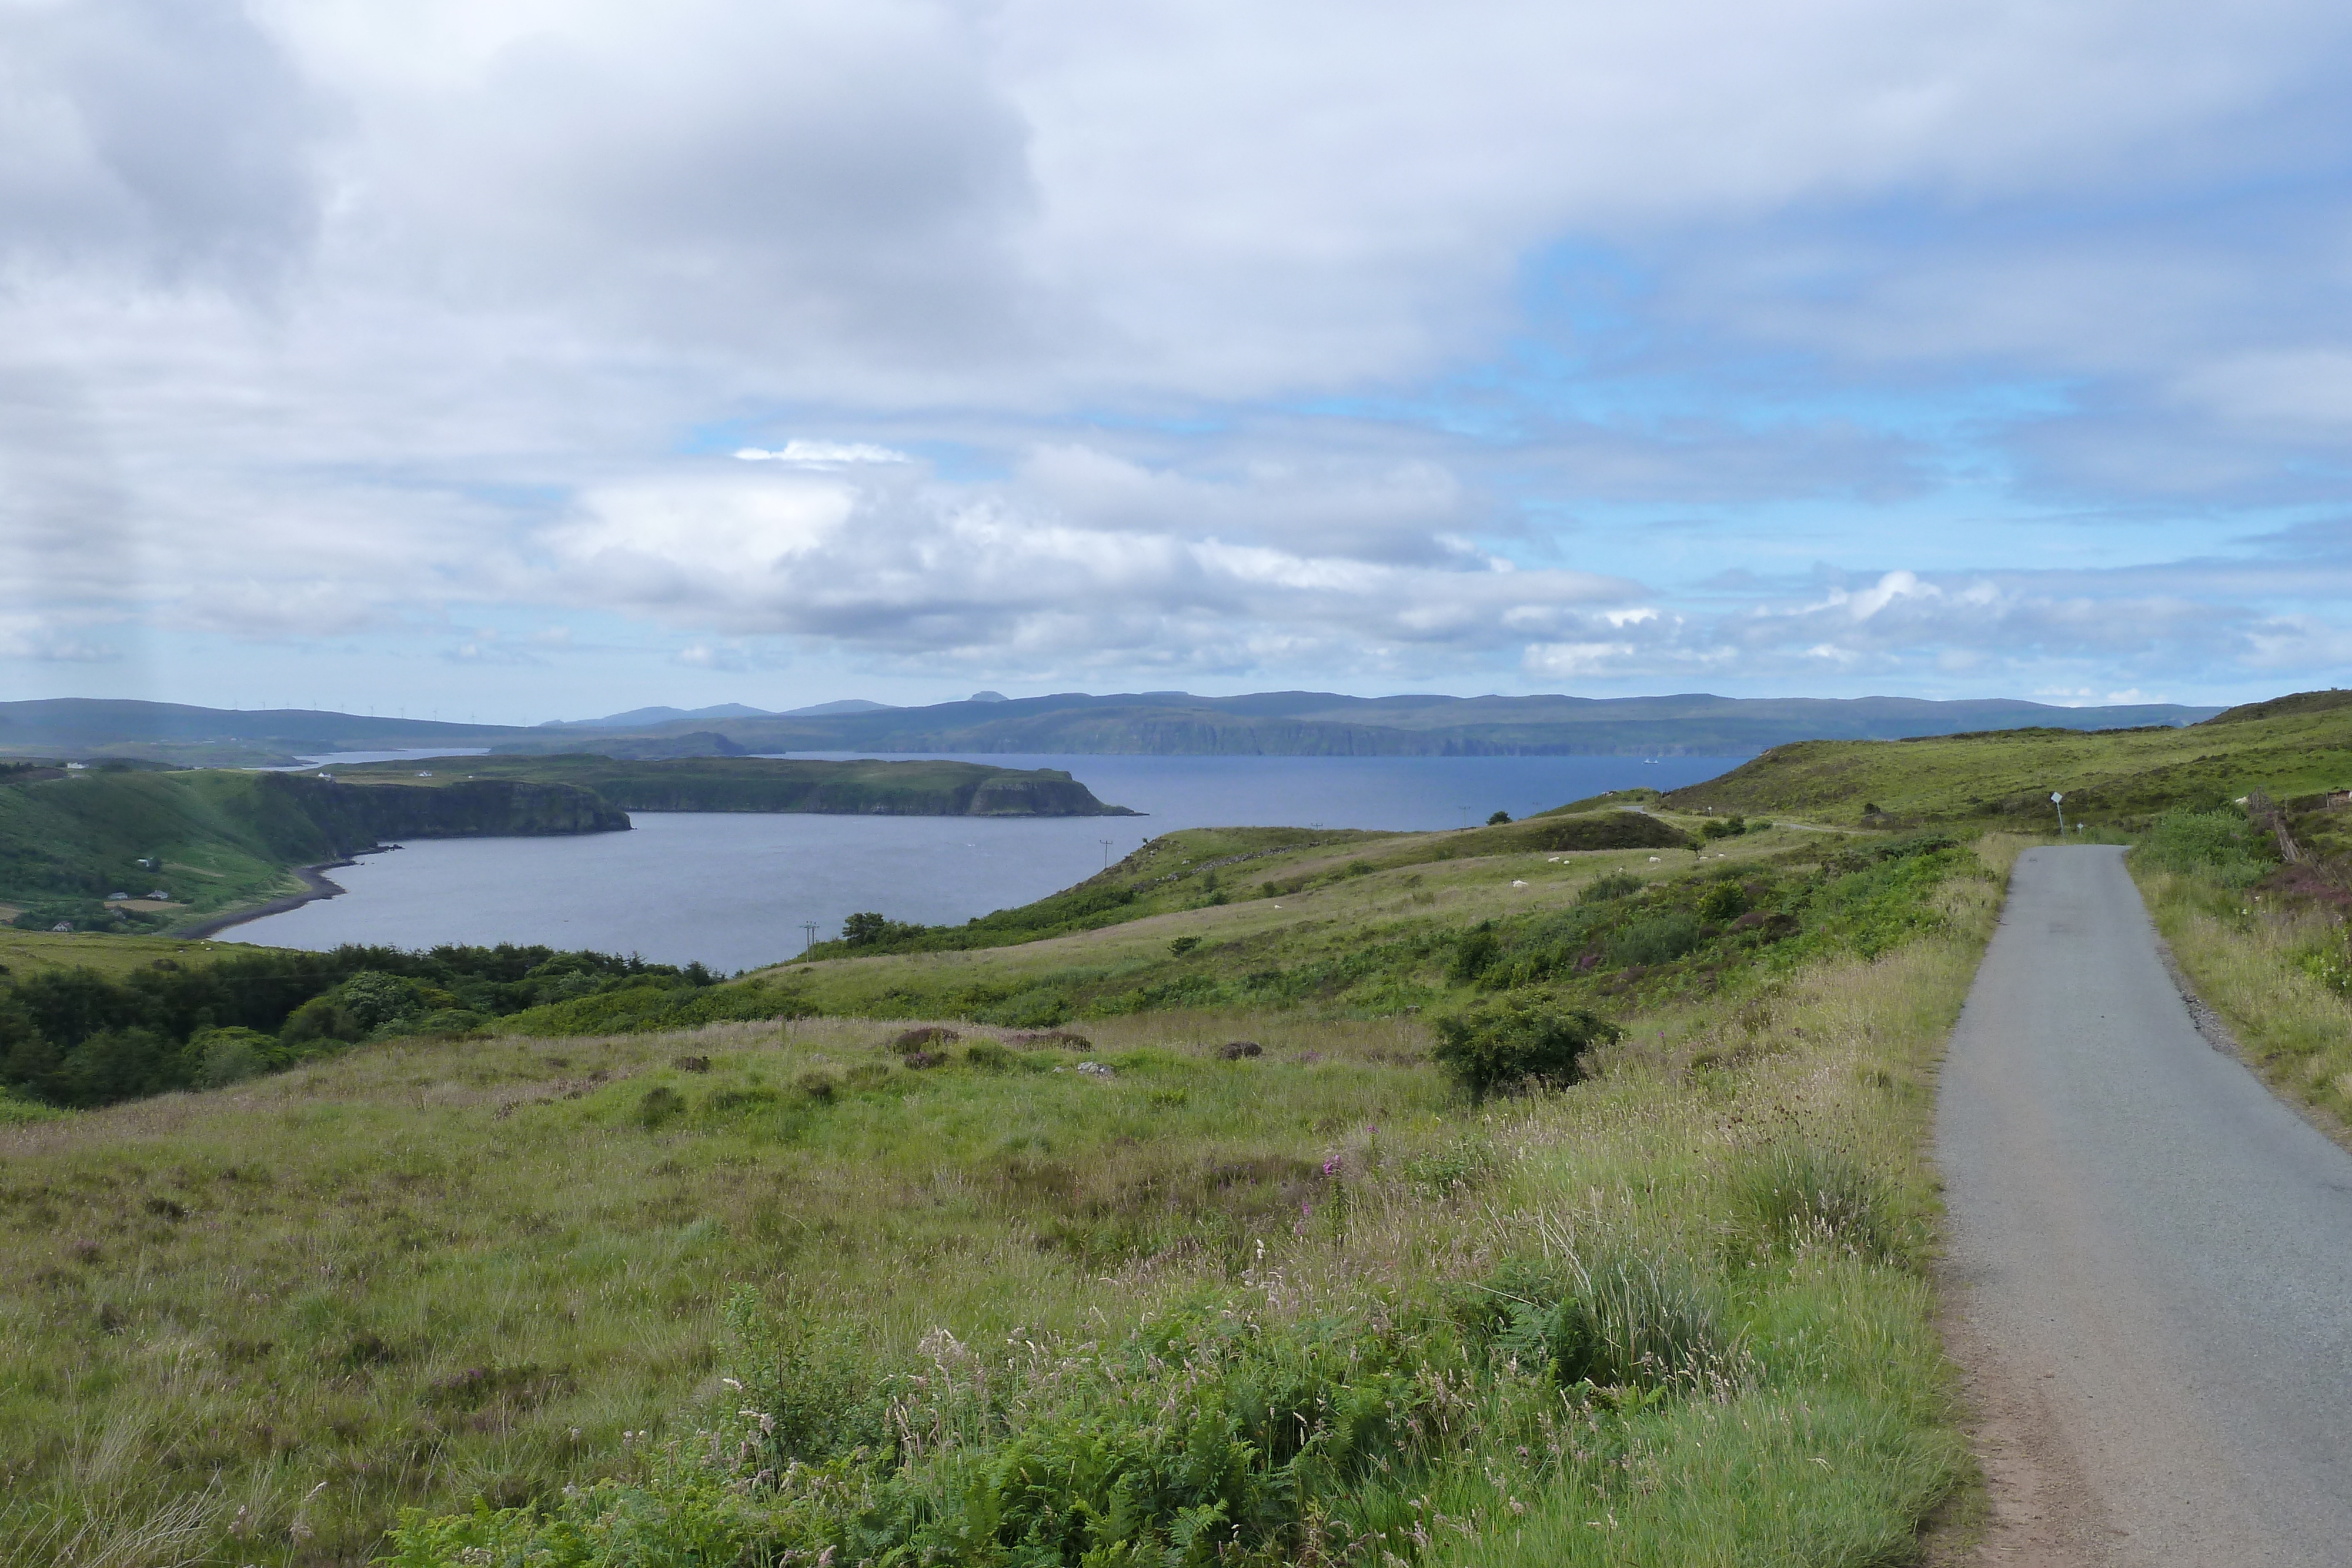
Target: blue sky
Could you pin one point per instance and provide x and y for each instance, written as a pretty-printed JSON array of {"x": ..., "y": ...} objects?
[{"x": 523, "y": 360}]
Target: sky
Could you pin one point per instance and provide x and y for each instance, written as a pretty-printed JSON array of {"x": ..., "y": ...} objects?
[{"x": 519, "y": 359}]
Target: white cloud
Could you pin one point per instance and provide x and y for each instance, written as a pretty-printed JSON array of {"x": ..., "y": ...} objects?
[
  {"x": 822, "y": 454},
  {"x": 1352, "y": 337}
]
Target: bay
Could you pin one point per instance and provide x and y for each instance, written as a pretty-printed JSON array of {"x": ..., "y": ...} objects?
[{"x": 735, "y": 890}]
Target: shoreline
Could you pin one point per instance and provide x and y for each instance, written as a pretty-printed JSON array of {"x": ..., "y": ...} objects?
[{"x": 315, "y": 887}]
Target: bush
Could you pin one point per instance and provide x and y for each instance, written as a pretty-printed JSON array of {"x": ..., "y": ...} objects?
[
  {"x": 1500, "y": 819},
  {"x": 2221, "y": 843},
  {"x": 1182, "y": 946},
  {"x": 226, "y": 1056},
  {"x": 1616, "y": 884},
  {"x": 661, "y": 1104},
  {"x": 868, "y": 928},
  {"x": 1514, "y": 1041},
  {"x": 1474, "y": 952},
  {"x": 1661, "y": 939},
  {"x": 1724, "y": 902}
]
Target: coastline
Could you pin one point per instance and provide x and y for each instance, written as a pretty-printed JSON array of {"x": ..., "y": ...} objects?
[{"x": 315, "y": 886}]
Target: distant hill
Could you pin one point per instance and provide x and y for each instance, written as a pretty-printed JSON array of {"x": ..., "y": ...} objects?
[
  {"x": 1321, "y": 723},
  {"x": 75, "y": 726},
  {"x": 2292, "y": 747},
  {"x": 846, "y": 705},
  {"x": 646, "y": 717},
  {"x": 1271, "y": 724}
]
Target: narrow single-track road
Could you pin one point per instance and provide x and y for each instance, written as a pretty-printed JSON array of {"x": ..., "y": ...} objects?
[{"x": 2151, "y": 1256}]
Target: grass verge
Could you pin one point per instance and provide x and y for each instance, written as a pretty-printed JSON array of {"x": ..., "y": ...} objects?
[{"x": 2277, "y": 971}]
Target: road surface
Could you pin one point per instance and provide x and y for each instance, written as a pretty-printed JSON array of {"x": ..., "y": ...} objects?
[{"x": 2151, "y": 1256}]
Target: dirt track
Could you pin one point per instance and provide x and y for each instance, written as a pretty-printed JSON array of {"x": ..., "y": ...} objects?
[{"x": 2151, "y": 1262}]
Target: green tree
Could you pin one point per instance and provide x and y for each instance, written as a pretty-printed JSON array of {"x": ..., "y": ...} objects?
[{"x": 1506, "y": 1044}]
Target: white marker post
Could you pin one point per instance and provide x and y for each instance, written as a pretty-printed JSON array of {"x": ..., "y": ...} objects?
[{"x": 2058, "y": 800}]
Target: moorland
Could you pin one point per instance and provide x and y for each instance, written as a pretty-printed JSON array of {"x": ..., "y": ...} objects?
[{"x": 1551, "y": 1189}]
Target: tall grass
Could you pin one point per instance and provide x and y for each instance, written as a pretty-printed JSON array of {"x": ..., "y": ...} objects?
[
  {"x": 250, "y": 1326},
  {"x": 2276, "y": 970}
]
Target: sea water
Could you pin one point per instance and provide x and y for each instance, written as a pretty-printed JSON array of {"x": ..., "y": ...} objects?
[{"x": 737, "y": 890}]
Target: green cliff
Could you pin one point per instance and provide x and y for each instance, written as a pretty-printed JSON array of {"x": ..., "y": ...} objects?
[
  {"x": 212, "y": 839},
  {"x": 864, "y": 788}
]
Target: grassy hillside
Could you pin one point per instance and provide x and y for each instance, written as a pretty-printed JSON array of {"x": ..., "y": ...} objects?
[
  {"x": 1203, "y": 867},
  {"x": 213, "y": 840},
  {"x": 2291, "y": 747},
  {"x": 1122, "y": 1292},
  {"x": 868, "y": 788},
  {"x": 1604, "y": 929}
]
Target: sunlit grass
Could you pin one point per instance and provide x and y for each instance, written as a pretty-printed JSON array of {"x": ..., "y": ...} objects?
[
  {"x": 2259, "y": 963},
  {"x": 247, "y": 1326}
]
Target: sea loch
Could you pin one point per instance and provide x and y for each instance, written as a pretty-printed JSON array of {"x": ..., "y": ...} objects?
[{"x": 737, "y": 890}]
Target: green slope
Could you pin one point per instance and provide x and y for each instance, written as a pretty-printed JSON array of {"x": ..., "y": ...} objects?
[
  {"x": 2289, "y": 747},
  {"x": 217, "y": 839},
  {"x": 865, "y": 787}
]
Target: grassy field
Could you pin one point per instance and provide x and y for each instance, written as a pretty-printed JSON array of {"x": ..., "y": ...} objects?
[
  {"x": 2292, "y": 747},
  {"x": 2267, "y": 955},
  {"x": 27, "y": 953},
  {"x": 1673, "y": 1313}
]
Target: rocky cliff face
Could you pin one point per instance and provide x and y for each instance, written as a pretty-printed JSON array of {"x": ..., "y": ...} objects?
[
  {"x": 1031, "y": 795},
  {"x": 354, "y": 816}
]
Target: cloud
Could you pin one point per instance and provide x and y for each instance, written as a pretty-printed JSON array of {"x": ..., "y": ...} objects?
[
  {"x": 822, "y": 454},
  {"x": 171, "y": 137},
  {"x": 909, "y": 564},
  {"x": 1341, "y": 342}
]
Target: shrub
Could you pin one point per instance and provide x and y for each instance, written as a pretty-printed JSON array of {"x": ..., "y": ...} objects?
[
  {"x": 1474, "y": 952},
  {"x": 1183, "y": 945},
  {"x": 1236, "y": 1050},
  {"x": 1660, "y": 939},
  {"x": 1506, "y": 1043},
  {"x": 1499, "y": 820},
  {"x": 660, "y": 1104},
  {"x": 1725, "y": 900},
  {"x": 928, "y": 1038},
  {"x": 226, "y": 1056},
  {"x": 988, "y": 1055},
  {"x": 1616, "y": 884},
  {"x": 2221, "y": 843},
  {"x": 868, "y": 928}
]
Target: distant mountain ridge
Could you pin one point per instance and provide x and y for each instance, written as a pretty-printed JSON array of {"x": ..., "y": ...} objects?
[
  {"x": 1271, "y": 724},
  {"x": 1324, "y": 724}
]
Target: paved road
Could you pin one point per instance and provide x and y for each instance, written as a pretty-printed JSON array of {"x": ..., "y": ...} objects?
[{"x": 2152, "y": 1256}]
